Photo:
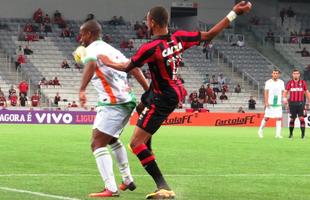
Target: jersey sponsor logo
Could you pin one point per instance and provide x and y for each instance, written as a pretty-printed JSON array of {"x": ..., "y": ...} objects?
[
  {"x": 297, "y": 89},
  {"x": 171, "y": 50},
  {"x": 236, "y": 121}
]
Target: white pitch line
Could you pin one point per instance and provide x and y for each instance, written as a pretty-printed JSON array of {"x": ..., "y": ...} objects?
[
  {"x": 167, "y": 175},
  {"x": 37, "y": 193}
]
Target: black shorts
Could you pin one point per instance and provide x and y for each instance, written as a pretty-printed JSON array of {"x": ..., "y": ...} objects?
[
  {"x": 157, "y": 109},
  {"x": 296, "y": 109}
]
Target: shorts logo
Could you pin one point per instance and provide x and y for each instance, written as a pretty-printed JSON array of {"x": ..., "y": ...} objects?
[{"x": 143, "y": 113}]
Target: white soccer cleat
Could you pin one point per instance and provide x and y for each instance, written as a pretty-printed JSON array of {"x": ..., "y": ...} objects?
[
  {"x": 279, "y": 136},
  {"x": 260, "y": 134}
]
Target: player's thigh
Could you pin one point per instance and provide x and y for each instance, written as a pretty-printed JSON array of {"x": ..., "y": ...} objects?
[
  {"x": 100, "y": 139},
  {"x": 300, "y": 111},
  {"x": 111, "y": 120},
  {"x": 273, "y": 112},
  {"x": 152, "y": 118},
  {"x": 293, "y": 111}
]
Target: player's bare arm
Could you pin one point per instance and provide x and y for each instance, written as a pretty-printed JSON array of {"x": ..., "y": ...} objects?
[
  {"x": 121, "y": 66},
  {"x": 137, "y": 73},
  {"x": 307, "y": 95},
  {"x": 87, "y": 76},
  {"x": 239, "y": 9},
  {"x": 285, "y": 97}
]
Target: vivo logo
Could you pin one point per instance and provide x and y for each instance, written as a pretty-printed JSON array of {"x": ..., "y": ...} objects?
[{"x": 54, "y": 118}]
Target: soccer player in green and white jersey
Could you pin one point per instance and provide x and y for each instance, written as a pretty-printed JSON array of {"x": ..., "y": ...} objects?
[{"x": 274, "y": 89}]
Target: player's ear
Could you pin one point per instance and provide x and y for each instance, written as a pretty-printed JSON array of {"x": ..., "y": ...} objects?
[{"x": 153, "y": 23}]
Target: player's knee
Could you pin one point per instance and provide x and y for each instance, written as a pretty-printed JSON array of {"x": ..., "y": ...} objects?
[
  {"x": 113, "y": 140},
  {"x": 96, "y": 144},
  {"x": 133, "y": 144},
  {"x": 302, "y": 119}
]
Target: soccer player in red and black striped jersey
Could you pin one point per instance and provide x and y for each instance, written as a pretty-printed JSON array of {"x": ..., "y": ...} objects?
[
  {"x": 164, "y": 55},
  {"x": 298, "y": 89}
]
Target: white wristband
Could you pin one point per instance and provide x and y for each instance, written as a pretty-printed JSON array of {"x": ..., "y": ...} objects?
[{"x": 231, "y": 16}]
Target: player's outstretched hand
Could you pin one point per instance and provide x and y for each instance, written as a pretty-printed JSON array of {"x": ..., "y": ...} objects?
[
  {"x": 242, "y": 7},
  {"x": 82, "y": 98}
]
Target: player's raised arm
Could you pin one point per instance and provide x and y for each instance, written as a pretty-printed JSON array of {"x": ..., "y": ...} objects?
[
  {"x": 121, "y": 66},
  {"x": 88, "y": 73},
  {"x": 239, "y": 9}
]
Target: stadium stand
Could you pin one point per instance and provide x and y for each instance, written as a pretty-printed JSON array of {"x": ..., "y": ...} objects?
[{"x": 50, "y": 52}]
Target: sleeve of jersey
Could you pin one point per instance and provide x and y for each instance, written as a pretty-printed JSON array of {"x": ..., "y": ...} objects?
[
  {"x": 267, "y": 85},
  {"x": 288, "y": 86},
  {"x": 189, "y": 39},
  {"x": 90, "y": 56},
  {"x": 143, "y": 55},
  {"x": 283, "y": 87}
]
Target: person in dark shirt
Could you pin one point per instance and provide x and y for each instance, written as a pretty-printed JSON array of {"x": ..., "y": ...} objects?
[
  {"x": 252, "y": 103},
  {"x": 240, "y": 110},
  {"x": 223, "y": 96},
  {"x": 202, "y": 94},
  {"x": 57, "y": 98},
  {"x": 304, "y": 52},
  {"x": 28, "y": 51},
  {"x": 196, "y": 105},
  {"x": 23, "y": 100}
]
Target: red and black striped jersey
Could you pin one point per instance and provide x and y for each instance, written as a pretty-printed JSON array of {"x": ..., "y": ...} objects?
[
  {"x": 164, "y": 56},
  {"x": 297, "y": 90}
]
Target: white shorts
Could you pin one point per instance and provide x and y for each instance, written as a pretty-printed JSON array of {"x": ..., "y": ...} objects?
[
  {"x": 111, "y": 120},
  {"x": 273, "y": 112}
]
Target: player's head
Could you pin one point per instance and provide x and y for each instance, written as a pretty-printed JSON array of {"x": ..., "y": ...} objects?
[
  {"x": 275, "y": 74},
  {"x": 90, "y": 31},
  {"x": 296, "y": 74},
  {"x": 157, "y": 18}
]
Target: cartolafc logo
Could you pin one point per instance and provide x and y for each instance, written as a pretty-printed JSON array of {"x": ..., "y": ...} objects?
[
  {"x": 236, "y": 121},
  {"x": 186, "y": 119}
]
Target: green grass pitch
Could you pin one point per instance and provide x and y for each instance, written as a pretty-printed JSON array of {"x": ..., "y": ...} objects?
[{"x": 200, "y": 163}]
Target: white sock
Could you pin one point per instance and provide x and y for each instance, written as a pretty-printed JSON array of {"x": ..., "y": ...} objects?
[
  {"x": 262, "y": 125},
  {"x": 120, "y": 154},
  {"x": 278, "y": 127},
  {"x": 105, "y": 167}
]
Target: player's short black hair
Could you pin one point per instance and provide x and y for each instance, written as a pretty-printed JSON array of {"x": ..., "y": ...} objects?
[
  {"x": 276, "y": 70},
  {"x": 296, "y": 70},
  {"x": 93, "y": 26},
  {"x": 160, "y": 15}
]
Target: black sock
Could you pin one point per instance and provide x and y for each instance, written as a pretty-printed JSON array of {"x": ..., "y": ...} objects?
[
  {"x": 147, "y": 159},
  {"x": 292, "y": 124},
  {"x": 302, "y": 127}
]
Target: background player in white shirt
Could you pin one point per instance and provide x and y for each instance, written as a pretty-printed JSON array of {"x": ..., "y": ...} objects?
[
  {"x": 115, "y": 105},
  {"x": 274, "y": 90}
]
